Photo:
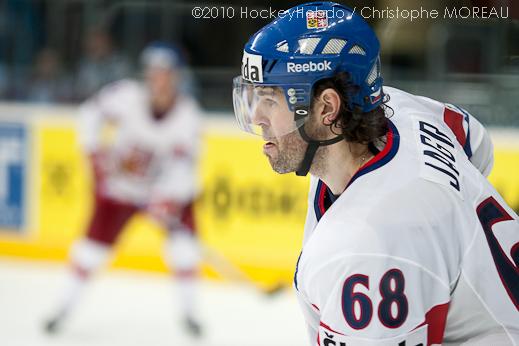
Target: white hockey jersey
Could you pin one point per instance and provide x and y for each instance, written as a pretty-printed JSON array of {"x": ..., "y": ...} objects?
[
  {"x": 419, "y": 249},
  {"x": 147, "y": 159}
]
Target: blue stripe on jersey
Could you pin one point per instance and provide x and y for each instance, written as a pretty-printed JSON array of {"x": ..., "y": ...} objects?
[
  {"x": 467, "y": 148},
  {"x": 318, "y": 203},
  {"x": 297, "y": 269}
]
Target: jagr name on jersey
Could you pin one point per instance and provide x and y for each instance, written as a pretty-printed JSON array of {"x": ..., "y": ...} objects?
[{"x": 439, "y": 147}]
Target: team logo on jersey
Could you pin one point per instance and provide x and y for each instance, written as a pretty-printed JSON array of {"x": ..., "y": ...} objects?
[
  {"x": 252, "y": 68},
  {"x": 316, "y": 19}
]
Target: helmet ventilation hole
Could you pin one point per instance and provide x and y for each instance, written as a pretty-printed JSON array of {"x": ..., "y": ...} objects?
[
  {"x": 334, "y": 46},
  {"x": 307, "y": 45},
  {"x": 282, "y": 47},
  {"x": 356, "y": 49}
]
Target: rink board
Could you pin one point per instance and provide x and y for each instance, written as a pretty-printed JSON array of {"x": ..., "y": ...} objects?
[{"x": 251, "y": 217}]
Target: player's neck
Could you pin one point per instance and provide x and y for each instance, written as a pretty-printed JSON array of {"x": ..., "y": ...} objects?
[
  {"x": 339, "y": 164},
  {"x": 161, "y": 104}
]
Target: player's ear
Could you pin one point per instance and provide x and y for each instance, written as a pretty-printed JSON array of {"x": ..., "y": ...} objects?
[{"x": 330, "y": 103}]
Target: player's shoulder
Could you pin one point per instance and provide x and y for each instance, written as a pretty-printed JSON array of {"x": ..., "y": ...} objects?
[
  {"x": 402, "y": 101},
  {"x": 436, "y": 145}
]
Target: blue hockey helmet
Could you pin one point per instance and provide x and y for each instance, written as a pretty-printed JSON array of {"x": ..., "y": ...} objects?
[{"x": 305, "y": 44}]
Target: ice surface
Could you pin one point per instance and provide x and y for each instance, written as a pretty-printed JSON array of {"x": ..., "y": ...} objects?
[{"x": 138, "y": 309}]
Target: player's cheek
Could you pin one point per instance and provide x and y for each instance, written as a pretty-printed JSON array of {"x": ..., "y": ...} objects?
[{"x": 287, "y": 120}]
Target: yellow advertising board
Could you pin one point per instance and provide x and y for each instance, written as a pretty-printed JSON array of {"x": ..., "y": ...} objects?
[
  {"x": 505, "y": 175},
  {"x": 247, "y": 212}
]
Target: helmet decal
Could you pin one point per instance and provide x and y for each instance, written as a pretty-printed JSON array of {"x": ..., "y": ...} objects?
[
  {"x": 252, "y": 69},
  {"x": 316, "y": 19}
]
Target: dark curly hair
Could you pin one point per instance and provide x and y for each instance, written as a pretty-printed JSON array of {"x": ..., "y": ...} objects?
[{"x": 354, "y": 126}]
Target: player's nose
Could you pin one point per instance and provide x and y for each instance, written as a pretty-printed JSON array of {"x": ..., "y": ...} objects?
[{"x": 260, "y": 117}]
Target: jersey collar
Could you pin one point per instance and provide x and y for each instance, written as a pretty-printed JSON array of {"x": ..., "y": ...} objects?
[{"x": 322, "y": 199}]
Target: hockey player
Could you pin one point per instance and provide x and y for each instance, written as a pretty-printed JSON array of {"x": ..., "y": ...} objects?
[
  {"x": 149, "y": 166},
  {"x": 406, "y": 242}
]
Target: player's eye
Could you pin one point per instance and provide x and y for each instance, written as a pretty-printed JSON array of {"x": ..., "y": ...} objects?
[{"x": 269, "y": 102}]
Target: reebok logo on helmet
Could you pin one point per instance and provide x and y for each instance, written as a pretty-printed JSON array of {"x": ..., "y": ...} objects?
[
  {"x": 309, "y": 66},
  {"x": 251, "y": 68}
]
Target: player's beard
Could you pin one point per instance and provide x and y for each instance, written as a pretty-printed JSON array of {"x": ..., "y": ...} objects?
[
  {"x": 290, "y": 152},
  {"x": 292, "y": 148}
]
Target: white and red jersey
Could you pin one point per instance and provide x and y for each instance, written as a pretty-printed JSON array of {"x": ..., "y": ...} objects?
[
  {"x": 147, "y": 159},
  {"x": 419, "y": 249}
]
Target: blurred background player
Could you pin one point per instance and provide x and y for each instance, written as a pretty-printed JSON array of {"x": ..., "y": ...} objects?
[{"x": 149, "y": 165}]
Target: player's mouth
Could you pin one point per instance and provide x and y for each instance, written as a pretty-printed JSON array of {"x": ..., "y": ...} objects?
[{"x": 268, "y": 148}]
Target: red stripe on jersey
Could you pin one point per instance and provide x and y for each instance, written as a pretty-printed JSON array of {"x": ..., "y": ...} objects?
[
  {"x": 435, "y": 320},
  {"x": 455, "y": 121},
  {"x": 325, "y": 326},
  {"x": 318, "y": 339},
  {"x": 315, "y": 307},
  {"x": 383, "y": 153},
  {"x": 384, "y": 156},
  {"x": 321, "y": 198}
]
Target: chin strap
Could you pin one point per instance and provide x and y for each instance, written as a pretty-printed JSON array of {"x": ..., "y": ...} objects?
[{"x": 313, "y": 144}]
